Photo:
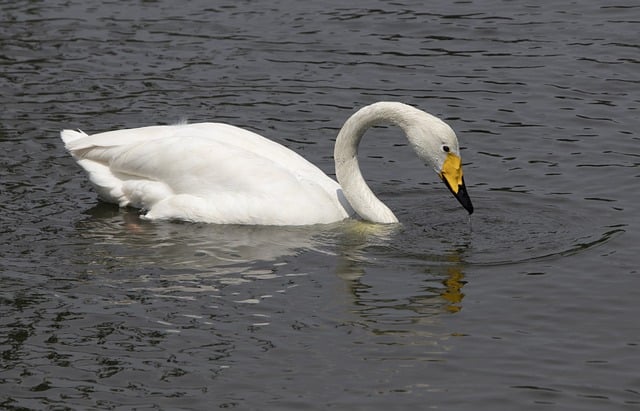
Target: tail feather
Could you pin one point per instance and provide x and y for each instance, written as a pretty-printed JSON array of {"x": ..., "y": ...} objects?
[
  {"x": 108, "y": 186},
  {"x": 69, "y": 136}
]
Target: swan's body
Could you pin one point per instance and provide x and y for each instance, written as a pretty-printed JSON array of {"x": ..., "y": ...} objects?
[{"x": 219, "y": 173}]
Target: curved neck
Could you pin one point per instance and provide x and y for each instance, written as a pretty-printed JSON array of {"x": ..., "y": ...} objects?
[{"x": 348, "y": 173}]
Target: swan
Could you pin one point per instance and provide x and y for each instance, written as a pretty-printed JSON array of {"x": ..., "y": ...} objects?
[{"x": 219, "y": 173}]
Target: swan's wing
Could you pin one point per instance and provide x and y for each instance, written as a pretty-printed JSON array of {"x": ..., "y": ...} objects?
[
  {"x": 80, "y": 144},
  {"x": 78, "y": 140},
  {"x": 206, "y": 151}
]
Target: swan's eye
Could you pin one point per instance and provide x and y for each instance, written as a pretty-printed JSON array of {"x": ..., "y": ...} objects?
[{"x": 445, "y": 149}]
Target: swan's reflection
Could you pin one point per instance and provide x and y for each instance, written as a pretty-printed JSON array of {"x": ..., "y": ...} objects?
[
  {"x": 190, "y": 245},
  {"x": 187, "y": 254},
  {"x": 439, "y": 274}
]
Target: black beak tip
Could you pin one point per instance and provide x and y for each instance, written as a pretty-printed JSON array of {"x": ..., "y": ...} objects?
[
  {"x": 468, "y": 207},
  {"x": 462, "y": 196}
]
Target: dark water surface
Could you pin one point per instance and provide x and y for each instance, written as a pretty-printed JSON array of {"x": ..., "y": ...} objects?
[{"x": 532, "y": 305}]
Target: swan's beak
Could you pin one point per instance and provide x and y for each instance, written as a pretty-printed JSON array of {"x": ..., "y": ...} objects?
[{"x": 451, "y": 174}]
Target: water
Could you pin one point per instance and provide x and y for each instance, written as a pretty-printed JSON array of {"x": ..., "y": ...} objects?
[{"x": 530, "y": 305}]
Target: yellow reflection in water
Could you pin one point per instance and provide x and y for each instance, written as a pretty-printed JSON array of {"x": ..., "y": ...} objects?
[
  {"x": 453, "y": 289},
  {"x": 355, "y": 251}
]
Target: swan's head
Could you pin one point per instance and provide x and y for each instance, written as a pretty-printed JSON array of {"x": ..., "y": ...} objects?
[{"x": 437, "y": 145}]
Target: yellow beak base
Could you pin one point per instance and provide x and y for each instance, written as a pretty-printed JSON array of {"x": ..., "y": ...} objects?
[{"x": 451, "y": 175}]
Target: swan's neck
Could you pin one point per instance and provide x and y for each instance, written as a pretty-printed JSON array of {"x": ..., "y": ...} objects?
[{"x": 348, "y": 173}]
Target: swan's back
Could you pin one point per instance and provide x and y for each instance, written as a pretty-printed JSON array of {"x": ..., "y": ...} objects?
[{"x": 208, "y": 172}]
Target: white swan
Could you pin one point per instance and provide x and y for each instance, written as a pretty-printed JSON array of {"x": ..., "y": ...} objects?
[{"x": 218, "y": 173}]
